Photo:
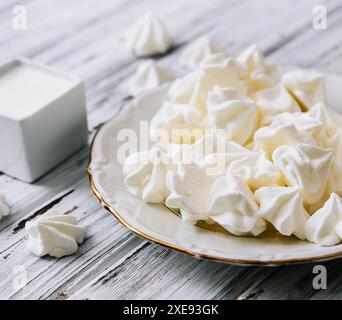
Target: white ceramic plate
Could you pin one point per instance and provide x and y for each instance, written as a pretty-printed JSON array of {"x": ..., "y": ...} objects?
[{"x": 158, "y": 224}]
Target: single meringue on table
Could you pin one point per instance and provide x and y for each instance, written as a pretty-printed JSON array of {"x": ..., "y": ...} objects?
[
  {"x": 256, "y": 170},
  {"x": 230, "y": 110},
  {"x": 145, "y": 174},
  {"x": 196, "y": 52},
  {"x": 283, "y": 207},
  {"x": 274, "y": 101},
  {"x": 232, "y": 205},
  {"x": 54, "y": 234},
  {"x": 148, "y": 36},
  {"x": 325, "y": 226},
  {"x": 178, "y": 123},
  {"x": 261, "y": 75},
  {"x": 4, "y": 209},
  {"x": 307, "y": 87},
  {"x": 149, "y": 75},
  {"x": 271, "y": 137},
  {"x": 306, "y": 167}
]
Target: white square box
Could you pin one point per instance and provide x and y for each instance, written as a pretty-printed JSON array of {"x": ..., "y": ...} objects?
[{"x": 42, "y": 118}]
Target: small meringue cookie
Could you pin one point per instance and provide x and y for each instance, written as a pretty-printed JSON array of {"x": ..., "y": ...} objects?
[
  {"x": 148, "y": 36},
  {"x": 324, "y": 227},
  {"x": 308, "y": 87},
  {"x": 189, "y": 191},
  {"x": 306, "y": 167},
  {"x": 214, "y": 59},
  {"x": 4, "y": 209},
  {"x": 230, "y": 110},
  {"x": 197, "y": 51},
  {"x": 149, "y": 75},
  {"x": 54, "y": 234},
  {"x": 301, "y": 120},
  {"x": 227, "y": 74},
  {"x": 261, "y": 75},
  {"x": 145, "y": 174},
  {"x": 271, "y": 137},
  {"x": 180, "y": 123},
  {"x": 256, "y": 170},
  {"x": 283, "y": 207},
  {"x": 182, "y": 89},
  {"x": 335, "y": 176},
  {"x": 232, "y": 206},
  {"x": 331, "y": 120},
  {"x": 274, "y": 101}
]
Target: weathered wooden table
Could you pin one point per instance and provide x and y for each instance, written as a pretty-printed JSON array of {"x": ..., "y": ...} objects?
[{"x": 81, "y": 37}]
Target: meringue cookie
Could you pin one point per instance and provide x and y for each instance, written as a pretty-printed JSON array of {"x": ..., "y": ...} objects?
[
  {"x": 256, "y": 170},
  {"x": 232, "y": 206},
  {"x": 182, "y": 89},
  {"x": 308, "y": 87},
  {"x": 149, "y": 75},
  {"x": 283, "y": 207},
  {"x": 4, "y": 209},
  {"x": 181, "y": 123},
  {"x": 331, "y": 120},
  {"x": 196, "y": 51},
  {"x": 54, "y": 234},
  {"x": 217, "y": 153},
  {"x": 148, "y": 36},
  {"x": 271, "y": 137},
  {"x": 228, "y": 109},
  {"x": 335, "y": 177},
  {"x": 214, "y": 59},
  {"x": 325, "y": 225},
  {"x": 301, "y": 120},
  {"x": 227, "y": 74},
  {"x": 273, "y": 101},
  {"x": 261, "y": 75},
  {"x": 190, "y": 186},
  {"x": 306, "y": 167},
  {"x": 145, "y": 174}
]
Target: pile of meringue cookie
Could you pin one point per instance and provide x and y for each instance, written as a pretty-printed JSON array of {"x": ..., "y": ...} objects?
[{"x": 283, "y": 147}]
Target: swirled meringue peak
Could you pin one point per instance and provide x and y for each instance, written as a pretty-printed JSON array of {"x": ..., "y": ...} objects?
[
  {"x": 54, "y": 234},
  {"x": 261, "y": 75},
  {"x": 325, "y": 225},
  {"x": 308, "y": 87},
  {"x": 306, "y": 167},
  {"x": 148, "y": 36},
  {"x": 190, "y": 187},
  {"x": 335, "y": 178},
  {"x": 331, "y": 120},
  {"x": 149, "y": 75},
  {"x": 196, "y": 52},
  {"x": 4, "y": 209},
  {"x": 145, "y": 174},
  {"x": 271, "y": 137},
  {"x": 179, "y": 123},
  {"x": 283, "y": 207},
  {"x": 273, "y": 101},
  {"x": 230, "y": 110},
  {"x": 232, "y": 206},
  {"x": 229, "y": 73},
  {"x": 256, "y": 170}
]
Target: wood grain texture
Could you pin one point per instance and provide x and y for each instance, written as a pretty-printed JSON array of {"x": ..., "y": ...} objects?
[{"x": 82, "y": 37}]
